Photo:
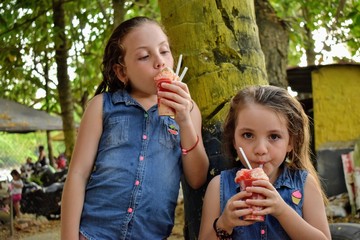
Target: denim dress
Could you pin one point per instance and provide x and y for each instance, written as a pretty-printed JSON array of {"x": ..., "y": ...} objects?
[
  {"x": 133, "y": 188},
  {"x": 290, "y": 185}
]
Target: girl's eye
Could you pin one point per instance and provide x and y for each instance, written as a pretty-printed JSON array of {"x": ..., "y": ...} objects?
[
  {"x": 165, "y": 52},
  {"x": 274, "y": 137},
  {"x": 247, "y": 135},
  {"x": 143, "y": 57}
]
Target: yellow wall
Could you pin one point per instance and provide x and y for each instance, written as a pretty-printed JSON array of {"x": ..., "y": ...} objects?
[{"x": 336, "y": 98}]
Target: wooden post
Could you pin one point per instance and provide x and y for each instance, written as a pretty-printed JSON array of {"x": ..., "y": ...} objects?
[{"x": 11, "y": 216}]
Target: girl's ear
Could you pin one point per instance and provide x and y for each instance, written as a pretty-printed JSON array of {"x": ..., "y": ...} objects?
[
  {"x": 290, "y": 146},
  {"x": 120, "y": 73}
]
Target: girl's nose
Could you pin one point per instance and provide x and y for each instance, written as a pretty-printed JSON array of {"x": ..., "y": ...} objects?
[
  {"x": 260, "y": 148},
  {"x": 159, "y": 62},
  {"x": 160, "y": 65}
]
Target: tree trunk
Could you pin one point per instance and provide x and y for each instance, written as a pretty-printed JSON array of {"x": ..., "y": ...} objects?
[
  {"x": 119, "y": 11},
  {"x": 309, "y": 42},
  {"x": 64, "y": 86},
  {"x": 274, "y": 39},
  {"x": 220, "y": 46},
  {"x": 48, "y": 134}
]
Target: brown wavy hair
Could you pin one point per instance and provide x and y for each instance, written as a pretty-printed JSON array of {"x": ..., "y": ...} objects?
[{"x": 281, "y": 102}]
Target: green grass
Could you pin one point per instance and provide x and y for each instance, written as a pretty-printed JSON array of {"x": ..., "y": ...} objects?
[{"x": 15, "y": 148}]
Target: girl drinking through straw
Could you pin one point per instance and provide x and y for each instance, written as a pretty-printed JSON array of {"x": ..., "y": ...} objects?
[
  {"x": 124, "y": 176},
  {"x": 273, "y": 130}
]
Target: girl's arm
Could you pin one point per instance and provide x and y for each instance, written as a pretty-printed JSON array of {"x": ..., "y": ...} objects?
[
  {"x": 80, "y": 168},
  {"x": 210, "y": 210},
  {"x": 231, "y": 216},
  {"x": 188, "y": 116},
  {"x": 195, "y": 162},
  {"x": 313, "y": 225}
]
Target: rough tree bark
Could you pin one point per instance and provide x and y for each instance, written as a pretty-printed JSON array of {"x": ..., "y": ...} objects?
[
  {"x": 309, "y": 42},
  {"x": 274, "y": 39},
  {"x": 220, "y": 46}
]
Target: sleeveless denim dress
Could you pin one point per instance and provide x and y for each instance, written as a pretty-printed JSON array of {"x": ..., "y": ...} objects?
[
  {"x": 290, "y": 185},
  {"x": 133, "y": 189}
]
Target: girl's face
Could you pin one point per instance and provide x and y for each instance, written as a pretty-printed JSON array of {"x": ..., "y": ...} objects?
[
  {"x": 16, "y": 177},
  {"x": 147, "y": 51},
  {"x": 263, "y": 135}
]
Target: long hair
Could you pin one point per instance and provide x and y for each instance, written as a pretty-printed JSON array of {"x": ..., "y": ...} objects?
[
  {"x": 281, "y": 102},
  {"x": 114, "y": 53}
]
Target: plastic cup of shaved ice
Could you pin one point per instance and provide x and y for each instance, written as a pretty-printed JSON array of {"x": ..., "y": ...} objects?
[
  {"x": 245, "y": 178},
  {"x": 165, "y": 76},
  {"x": 164, "y": 110}
]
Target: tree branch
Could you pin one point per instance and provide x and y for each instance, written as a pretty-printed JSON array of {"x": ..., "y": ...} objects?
[
  {"x": 340, "y": 9},
  {"x": 25, "y": 23}
]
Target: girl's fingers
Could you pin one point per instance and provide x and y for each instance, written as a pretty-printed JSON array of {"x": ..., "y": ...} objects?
[
  {"x": 176, "y": 101},
  {"x": 263, "y": 183},
  {"x": 176, "y": 97},
  {"x": 177, "y": 87}
]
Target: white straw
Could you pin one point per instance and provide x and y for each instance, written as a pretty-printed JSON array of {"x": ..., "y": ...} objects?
[
  {"x": 245, "y": 158},
  {"x": 178, "y": 65},
  {"x": 183, "y": 74}
]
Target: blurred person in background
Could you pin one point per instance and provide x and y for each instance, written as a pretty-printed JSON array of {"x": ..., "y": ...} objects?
[
  {"x": 42, "y": 159},
  {"x": 16, "y": 191}
]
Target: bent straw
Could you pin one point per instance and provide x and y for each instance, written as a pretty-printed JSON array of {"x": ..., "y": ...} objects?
[
  {"x": 178, "y": 65},
  {"x": 245, "y": 158},
  {"x": 183, "y": 74}
]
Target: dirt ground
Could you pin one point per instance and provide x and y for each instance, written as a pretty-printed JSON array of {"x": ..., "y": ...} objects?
[
  {"x": 50, "y": 230},
  {"x": 35, "y": 231}
]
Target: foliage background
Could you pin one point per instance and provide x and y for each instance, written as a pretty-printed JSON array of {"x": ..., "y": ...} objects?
[
  {"x": 27, "y": 29},
  {"x": 15, "y": 148}
]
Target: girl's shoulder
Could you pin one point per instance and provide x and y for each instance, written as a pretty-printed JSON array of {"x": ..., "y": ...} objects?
[
  {"x": 97, "y": 99},
  {"x": 214, "y": 181},
  {"x": 227, "y": 178},
  {"x": 291, "y": 177},
  {"x": 228, "y": 173},
  {"x": 93, "y": 107}
]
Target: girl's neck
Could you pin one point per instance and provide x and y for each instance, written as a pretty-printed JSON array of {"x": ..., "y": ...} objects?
[
  {"x": 146, "y": 101},
  {"x": 275, "y": 174}
]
